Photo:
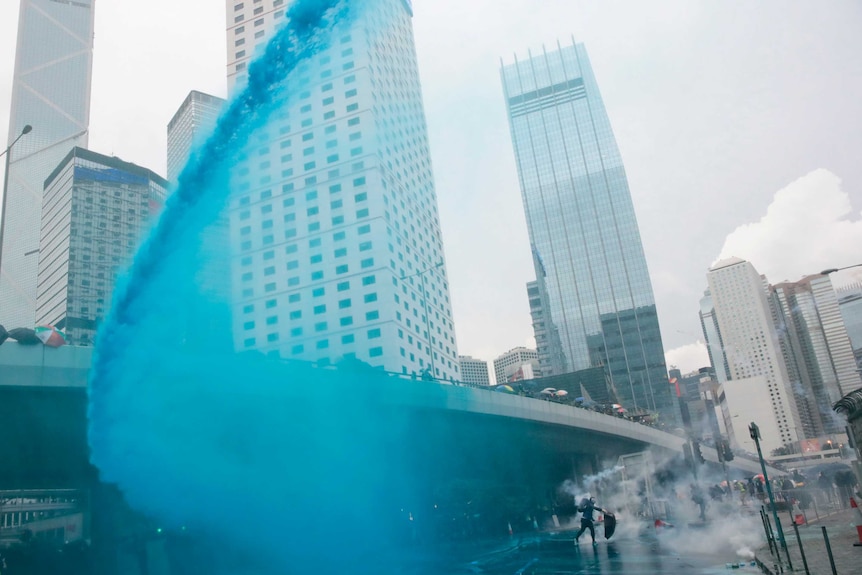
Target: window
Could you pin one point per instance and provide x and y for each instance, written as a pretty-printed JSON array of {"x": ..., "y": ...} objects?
[
  {"x": 318, "y": 292},
  {"x": 370, "y": 298},
  {"x": 359, "y": 182},
  {"x": 369, "y": 280},
  {"x": 297, "y": 349},
  {"x": 348, "y": 339},
  {"x": 323, "y": 344},
  {"x": 294, "y": 298},
  {"x": 272, "y": 320},
  {"x": 297, "y": 314},
  {"x": 367, "y": 263},
  {"x": 373, "y": 333},
  {"x": 321, "y": 326},
  {"x": 270, "y": 304},
  {"x": 365, "y": 246},
  {"x": 316, "y": 276},
  {"x": 372, "y": 316},
  {"x": 340, "y": 252},
  {"x": 343, "y": 286},
  {"x": 346, "y": 321},
  {"x": 375, "y": 351}
]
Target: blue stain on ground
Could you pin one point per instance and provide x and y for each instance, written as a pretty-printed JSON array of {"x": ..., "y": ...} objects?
[{"x": 296, "y": 466}]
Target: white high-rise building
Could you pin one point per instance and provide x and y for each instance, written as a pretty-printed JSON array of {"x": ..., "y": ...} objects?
[
  {"x": 752, "y": 351},
  {"x": 51, "y": 93},
  {"x": 334, "y": 218},
  {"x": 194, "y": 120},
  {"x": 474, "y": 371},
  {"x": 510, "y": 362}
]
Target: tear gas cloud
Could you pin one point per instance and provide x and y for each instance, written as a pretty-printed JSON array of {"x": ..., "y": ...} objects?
[{"x": 653, "y": 486}]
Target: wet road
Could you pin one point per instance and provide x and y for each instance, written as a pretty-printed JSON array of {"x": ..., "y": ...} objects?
[{"x": 635, "y": 555}]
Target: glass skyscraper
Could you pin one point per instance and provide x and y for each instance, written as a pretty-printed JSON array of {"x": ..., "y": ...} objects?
[
  {"x": 338, "y": 252},
  {"x": 50, "y": 92},
  {"x": 596, "y": 297},
  {"x": 193, "y": 121}
]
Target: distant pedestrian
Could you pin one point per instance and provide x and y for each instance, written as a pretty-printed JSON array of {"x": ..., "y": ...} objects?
[
  {"x": 699, "y": 499},
  {"x": 825, "y": 485}
]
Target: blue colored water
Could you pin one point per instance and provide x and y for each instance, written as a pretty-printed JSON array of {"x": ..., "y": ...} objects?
[{"x": 290, "y": 466}]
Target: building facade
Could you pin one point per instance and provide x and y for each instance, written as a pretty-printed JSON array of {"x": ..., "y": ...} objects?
[
  {"x": 96, "y": 209},
  {"x": 592, "y": 279},
  {"x": 850, "y": 304},
  {"x": 819, "y": 354},
  {"x": 506, "y": 365},
  {"x": 339, "y": 252},
  {"x": 753, "y": 353},
  {"x": 474, "y": 371},
  {"x": 194, "y": 120},
  {"x": 51, "y": 93}
]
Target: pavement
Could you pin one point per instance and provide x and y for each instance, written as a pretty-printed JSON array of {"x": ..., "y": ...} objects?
[{"x": 841, "y": 530}]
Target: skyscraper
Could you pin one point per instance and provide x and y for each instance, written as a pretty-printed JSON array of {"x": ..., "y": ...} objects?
[
  {"x": 96, "y": 209},
  {"x": 757, "y": 378},
  {"x": 819, "y": 347},
  {"x": 335, "y": 222},
  {"x": 51, "y": 92},
  {"x": 194, "y": 119},
  {"x": 596, "y": 299}
]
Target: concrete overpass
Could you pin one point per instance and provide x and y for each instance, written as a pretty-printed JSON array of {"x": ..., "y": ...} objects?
[{"x": 588, "y": 438}]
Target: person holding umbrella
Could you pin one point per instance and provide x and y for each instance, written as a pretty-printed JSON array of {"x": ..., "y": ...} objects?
[{"x": 588, "y": 507}]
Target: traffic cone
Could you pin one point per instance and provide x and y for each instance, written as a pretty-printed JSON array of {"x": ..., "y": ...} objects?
[
  {"x": 798, "y": 516},
  {"x": 858, "y": 521}
]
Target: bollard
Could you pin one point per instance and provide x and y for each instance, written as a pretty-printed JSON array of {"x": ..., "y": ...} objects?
[
  {"x": 801, "y": 550},
  {"x": 829, "y": 550}
]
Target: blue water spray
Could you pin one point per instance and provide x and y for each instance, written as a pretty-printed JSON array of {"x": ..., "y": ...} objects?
[{"x": 294, "y": 467}]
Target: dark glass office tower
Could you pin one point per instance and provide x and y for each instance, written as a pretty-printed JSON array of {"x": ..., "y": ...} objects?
[{"x": 597, "y": 301}]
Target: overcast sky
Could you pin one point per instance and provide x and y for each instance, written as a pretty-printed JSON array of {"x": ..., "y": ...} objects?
[{"x": 739, "y": 124}]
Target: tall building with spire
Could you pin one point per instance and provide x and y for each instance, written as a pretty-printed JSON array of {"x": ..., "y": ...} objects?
[
  {"x": 339, "y": 252},
  {"x": 593, "y": 285},
  {"x": 51, "y": 93}
]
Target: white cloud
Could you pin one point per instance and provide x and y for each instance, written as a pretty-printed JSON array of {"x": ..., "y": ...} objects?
[
  {"x": 688, "y": 358},
  {"x": 809, "y": 226}
]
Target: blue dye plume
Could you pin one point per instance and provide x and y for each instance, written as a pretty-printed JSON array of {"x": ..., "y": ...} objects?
[{"x": 298, "y": 467}]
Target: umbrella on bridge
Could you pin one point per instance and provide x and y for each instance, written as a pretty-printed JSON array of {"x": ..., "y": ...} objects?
[
  {"x": 561, "y": 393},
  {"x": 51, "y": 336},
  {"x": 505, "y": 389},
  {"x": 548, "y": 391}
]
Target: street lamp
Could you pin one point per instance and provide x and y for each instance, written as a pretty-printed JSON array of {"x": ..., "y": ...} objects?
[
  {"x": 421, "y": 275},
  {"x": 833, "y": 270},
  {"x": 27, "y": 129},
  {"x": 754, "y": 432}
]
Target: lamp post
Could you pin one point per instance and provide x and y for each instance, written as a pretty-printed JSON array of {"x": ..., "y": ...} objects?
[
  {"x": 826, "y": 272},
  {"x": 421, "y": 275},
  {"x": 27, "y": 129},
  {"x": 754, "y": 431}
]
